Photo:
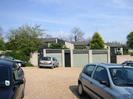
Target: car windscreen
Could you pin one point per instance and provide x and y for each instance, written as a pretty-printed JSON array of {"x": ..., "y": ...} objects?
[
  {"x": 122, "y": 76},
  {"x": 4, "y": 74},
  {"x": 46, "y": 58},
  {"x": 130, "y": 64}
]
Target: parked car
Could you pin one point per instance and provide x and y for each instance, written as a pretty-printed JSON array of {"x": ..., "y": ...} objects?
[
  {"x": 19, "y": 62},
  {"x": 128, "y": 63},
  {"x": 106, "y": 81},
  {"x": 48, "y": 62},
  {"x": 12, "y": 80}
]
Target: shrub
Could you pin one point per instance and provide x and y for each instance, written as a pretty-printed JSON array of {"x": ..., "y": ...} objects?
[
  {"x": 28, "y": 64},
  {"x": 18, "y": 55}
]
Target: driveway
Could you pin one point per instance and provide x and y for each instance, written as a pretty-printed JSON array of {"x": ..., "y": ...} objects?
[{"x": 45, "y": 83}]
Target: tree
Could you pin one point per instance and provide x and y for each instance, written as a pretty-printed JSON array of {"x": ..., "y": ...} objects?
[
  {"x": 97, "y": 41},
  {"x": 130, "y": 40},
  {"x": 25, "y": 39},
  {"x": 56, "y": 46},
  {"x": 2, "y": 43},
  {"x": 77, "y": 35}
]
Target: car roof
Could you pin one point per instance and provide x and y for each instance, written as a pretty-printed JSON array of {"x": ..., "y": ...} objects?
[
  {"x": 46, "y": 56},
  {"x": 49, "y": 57},
  {"x": 110, "y": 65},
  {"x": 128, "y": 62},
  {"x": 7, "y": 63}
]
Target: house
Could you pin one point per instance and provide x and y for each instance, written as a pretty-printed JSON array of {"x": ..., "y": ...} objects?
[
  {"x": 48, "y": 41},
  {"x": 116, "y": 48},
  {"x": 85, "y": 45},
  {"x": 81, "y": 45}
]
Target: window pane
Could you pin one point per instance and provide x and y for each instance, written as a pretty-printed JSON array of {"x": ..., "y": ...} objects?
[
  {"x": 89, "y": 69},
  {"x": 18, "y": 74},
  {"x": 130, "y": 64},
  {"x": 101, "y": 74},
  {"x": 46, "y": 58},
  {"x": 122, "y": 76}
]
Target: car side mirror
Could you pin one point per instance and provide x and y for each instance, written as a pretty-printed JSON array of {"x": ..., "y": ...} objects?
[
  {"x": 18, "y": 82},
  {"x": 104, "y": 82},
  {"x": 19, "y": 64}
]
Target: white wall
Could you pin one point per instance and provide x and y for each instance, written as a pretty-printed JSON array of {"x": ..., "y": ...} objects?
[
  {"x": 100, "y": 58},
  {"x": 69, "y": 45},
  {"x": 80, "y": 59},
  {"x": 34, "y": 59},
  {"x": 122, "y": 58}
]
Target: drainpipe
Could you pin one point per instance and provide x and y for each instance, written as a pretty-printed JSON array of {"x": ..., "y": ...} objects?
[
  {"x": 108, "y": 55},
  {"x": 71, "y": 52},
  {"x": 44, "y": 52},
  {"x": 90, "y": 56},
  {"x": 63, "y": 58}
]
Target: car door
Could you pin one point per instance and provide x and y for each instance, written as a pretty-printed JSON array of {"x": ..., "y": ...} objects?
[
  {"x": 18, "y": 74},
  {"x": 86, "y": 78},
  {"x": 100, "y": 83}
]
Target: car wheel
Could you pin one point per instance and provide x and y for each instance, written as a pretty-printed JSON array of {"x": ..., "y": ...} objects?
[
  {"x": 52, "y": 67},
  {"x": 57, "y": 65},
  {"x": 80, "y": 90}
]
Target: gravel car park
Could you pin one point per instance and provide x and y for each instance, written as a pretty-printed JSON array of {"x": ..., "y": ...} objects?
[{"x": 58, "y": 83}]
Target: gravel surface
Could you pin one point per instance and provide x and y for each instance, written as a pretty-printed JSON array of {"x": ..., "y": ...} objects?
[{"x": 45, "y": 83}]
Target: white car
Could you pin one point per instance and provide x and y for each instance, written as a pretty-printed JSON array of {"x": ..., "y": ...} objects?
[{"x": 48, "y": 62}]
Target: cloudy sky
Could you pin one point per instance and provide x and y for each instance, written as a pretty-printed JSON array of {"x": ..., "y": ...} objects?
[{"x": 113, "y": 19}]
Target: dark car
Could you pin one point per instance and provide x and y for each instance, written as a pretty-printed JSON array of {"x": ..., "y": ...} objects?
[
  {"x": 12, "y": 80},
  {"x": 128, "y": 63},
  {"x": 19, "y": 62}
]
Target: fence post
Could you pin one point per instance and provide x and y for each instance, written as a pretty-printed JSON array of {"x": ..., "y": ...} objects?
[
  {"x": 90, "y": 56},
  {"x": 71, "y": 51},
  {"x": 108, "y": 55},
  {"x": 63, "y": 58},
  {"x": 44, "y": 52}
]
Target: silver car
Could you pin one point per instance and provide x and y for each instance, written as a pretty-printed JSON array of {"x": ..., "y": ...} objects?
[
  {"x": 106, "y": 81},
  {"x": 48, "y": 62}
]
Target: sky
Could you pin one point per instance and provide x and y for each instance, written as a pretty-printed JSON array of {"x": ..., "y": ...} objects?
[{"x": 113, "y": 19}]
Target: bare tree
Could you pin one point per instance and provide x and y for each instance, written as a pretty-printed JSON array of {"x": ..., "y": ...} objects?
[
  {"x": 77, "y": 35},
  {"x": 48, "y": 36}
]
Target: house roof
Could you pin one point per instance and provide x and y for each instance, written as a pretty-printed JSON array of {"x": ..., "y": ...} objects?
[
  {"x": 81, "y": 43},
  {"x": 54, "y": 39},
  {"x": 115, "y": 44},
  {"x": 48, "y": 39}
]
